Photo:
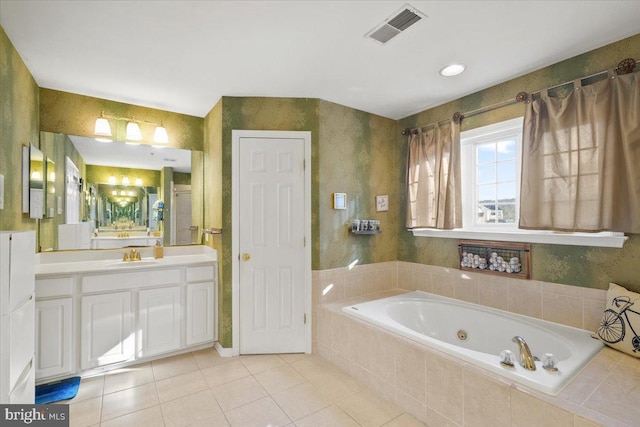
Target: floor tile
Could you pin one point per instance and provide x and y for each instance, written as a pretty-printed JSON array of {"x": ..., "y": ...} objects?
[
  {"x": 314, "y": 366},
  {"x": 368, "y": 409},
  {"x": 150, "y": 417},
  {"x": 89, "y": 388},
  {"x": 261, "y": 362},
  {"x": 336, "y": 385},
  {"x": 302, "y": 400},
  {"x": 125, "y": 378},
  {"x": 331, "y": 416},
  {"x": 180, "y": 386},
  {"x": 209, "y": 357},
  {"x": 263, "y": 412},
  {"x": 293, "y": 357},
  {"x": 237, "y": 393},
  {"x": 190, "y": 409},
  {"x": 404, "y": 420},
  {"x": 172, "y": 366},
  {"x": 218, "y": 420},
  {"x": 279, "y": 378},
  {"x": 85, "y": 413},
  {"x": 129, "y": 400},
  {"x": 224, "y": 373}
]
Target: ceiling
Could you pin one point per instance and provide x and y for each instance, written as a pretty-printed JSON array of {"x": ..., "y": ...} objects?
[
  {"x": 133, "y": 156},
  {"x": 182, "y": 56}
]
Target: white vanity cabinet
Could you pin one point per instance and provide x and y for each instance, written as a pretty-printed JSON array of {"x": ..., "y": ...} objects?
[
  {"x": 159, "y": 321},
  {"x": 200, "y": 300},
  {"x": 54, "y": 326},
  {"x": 95, "y": 313},
  {"x": 106, "y": 333}
]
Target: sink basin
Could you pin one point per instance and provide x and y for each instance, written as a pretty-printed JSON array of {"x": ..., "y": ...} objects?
[{"x": 132, "y": 263}]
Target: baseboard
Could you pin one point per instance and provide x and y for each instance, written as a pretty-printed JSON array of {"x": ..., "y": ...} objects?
[{"x": 222, "y": 351}]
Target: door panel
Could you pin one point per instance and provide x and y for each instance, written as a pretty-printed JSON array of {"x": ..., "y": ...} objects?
[{"x": 272, "y": 266}]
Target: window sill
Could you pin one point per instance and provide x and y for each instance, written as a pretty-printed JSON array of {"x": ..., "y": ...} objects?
[{"x": 604, "y": 239}]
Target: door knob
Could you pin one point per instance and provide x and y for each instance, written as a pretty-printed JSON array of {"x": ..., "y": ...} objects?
[{"x": 246, "y": 257}]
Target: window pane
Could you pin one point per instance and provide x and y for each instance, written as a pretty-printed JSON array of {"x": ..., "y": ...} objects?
[
  {"x": 486, "y": 153},
  {"x": 506, "y": 171},
  {"x": 507, "y": 213},
  {"x": 507, "y": 192},
  {"x": 486, "y": 173},
  {"x": 486, "y": 213},
  {"x": 507, "y": 149},
  {"x": 487, "y": 193}
]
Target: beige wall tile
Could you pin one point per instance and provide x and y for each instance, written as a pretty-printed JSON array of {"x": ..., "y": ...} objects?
[
  {"x": 353, "y": 283},
  {"x": 324, "y": 324},
  {"x": 330, "y": 289},
  {"x": 383, "y": 388},
  {"x": 405, "y": 279},
  {"x": 383, "y": 357},
  {"x": 592, "y": 314},
  {"x": 372, "y": 282},
  {"x": 466, "y": 290},
  {"x": 527, "y": 411},
  {"x": 410, "y": 370},
  {"x": 435, "y": 419},
  {"x": 410, "y": 405},
  {"x": 525, "y": 301},
  {"x": 360, "y": 343},
  {"x": 486, "y": 402},
  {"x": 493, "y": 294},
  {"x": 566, "y": 310},
  {"x": 444, "y": 387},
  {"x": 422, "y": 280},
  {"x": 442, "y": 284},
  {"x": 340, "y": 336},
  {"x": 558, "y": 289}
]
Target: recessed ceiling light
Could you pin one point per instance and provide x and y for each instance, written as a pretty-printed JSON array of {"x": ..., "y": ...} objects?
[{"x": 452, "y": 70}]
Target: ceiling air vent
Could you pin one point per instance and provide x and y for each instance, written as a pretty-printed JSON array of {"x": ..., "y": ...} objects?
[{"x": 395, "y": 24}]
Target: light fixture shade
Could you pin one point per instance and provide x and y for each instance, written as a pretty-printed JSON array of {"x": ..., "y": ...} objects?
[
  {"x": 103, "y": 129},
  {"x": 125, "y": 180},
  {"x": 139, "y": 182},
  {"x": 112, "y": 180},
  {"x": 160, "y": 135},
  {"x": 133, "y": 132}
]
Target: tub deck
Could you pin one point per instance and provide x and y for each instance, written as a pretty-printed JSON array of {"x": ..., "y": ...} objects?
[{"x": 440, "y": 389}]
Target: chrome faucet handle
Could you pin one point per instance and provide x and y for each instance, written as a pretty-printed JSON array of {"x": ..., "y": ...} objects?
[{"x": 549, "y": 362}]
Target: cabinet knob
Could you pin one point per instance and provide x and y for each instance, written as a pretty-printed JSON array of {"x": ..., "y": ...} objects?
[{"x": 246, "y": 257}]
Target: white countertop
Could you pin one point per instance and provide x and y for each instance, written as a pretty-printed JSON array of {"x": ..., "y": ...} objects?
[{"x": 110, "y": 260}]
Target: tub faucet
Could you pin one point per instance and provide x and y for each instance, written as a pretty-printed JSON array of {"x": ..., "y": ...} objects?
[{"x": 526, "y": 359}]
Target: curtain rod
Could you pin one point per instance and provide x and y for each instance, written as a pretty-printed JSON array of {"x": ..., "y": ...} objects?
[{"x": 625, "y": 66}]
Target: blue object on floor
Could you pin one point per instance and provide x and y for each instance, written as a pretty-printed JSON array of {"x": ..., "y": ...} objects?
[{"x": 57, "y": 391}]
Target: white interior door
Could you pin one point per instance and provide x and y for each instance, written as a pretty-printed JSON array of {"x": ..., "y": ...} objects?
[
  {"x": 272, "y": 277},
  {"x": 182, "y": 216}
]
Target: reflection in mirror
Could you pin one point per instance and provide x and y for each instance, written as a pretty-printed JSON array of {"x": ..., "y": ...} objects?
[
  {"x": 129, "y": 191},
  {"x": 36, "y": 182},
  {"x": 50, "y": 200}
]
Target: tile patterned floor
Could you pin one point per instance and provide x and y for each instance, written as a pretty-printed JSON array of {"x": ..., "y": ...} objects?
[{"x": 203, "y": 389}]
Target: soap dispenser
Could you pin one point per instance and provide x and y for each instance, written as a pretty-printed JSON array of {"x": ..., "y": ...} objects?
[{"x": 158, "y": 250}]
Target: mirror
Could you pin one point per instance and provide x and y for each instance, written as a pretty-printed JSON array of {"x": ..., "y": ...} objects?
[
  {"x": 36, "y": 182},
  {"x": 50, "y": 200},
  {"x": 126, "y": 191}
]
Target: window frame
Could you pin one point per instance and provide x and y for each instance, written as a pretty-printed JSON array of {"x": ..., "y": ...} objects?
[{"x": 507, "y": 232}]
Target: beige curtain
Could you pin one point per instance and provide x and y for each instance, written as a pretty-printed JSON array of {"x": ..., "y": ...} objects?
[
  {"x": 581, "y": 159},
  {"x": 433, "y": 178}
]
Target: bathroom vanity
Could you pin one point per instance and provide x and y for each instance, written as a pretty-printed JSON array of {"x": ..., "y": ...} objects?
[{"x": 95, "y": 311}]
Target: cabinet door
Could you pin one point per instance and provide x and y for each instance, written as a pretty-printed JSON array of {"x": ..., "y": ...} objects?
[
  {"x": 199, "y": 313},
  {"x": 106, "y": 333},
  {"x": 159, "y": 321},
  {"x": 53, "y": 337}
]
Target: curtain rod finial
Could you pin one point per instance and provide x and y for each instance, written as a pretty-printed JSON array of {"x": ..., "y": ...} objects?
[
  {"x": 457, "y": 117},
  {"x": 626, "y": 66},
  {"x": 522, "y": 97}
]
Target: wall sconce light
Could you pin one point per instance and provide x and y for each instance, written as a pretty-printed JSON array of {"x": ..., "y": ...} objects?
[
  {"x": 125, "y": 180},
  {"x": 139, "y": 182},
  {"x": 112, "y": 180},
  {"x": 35, "y": 176},
  {"x": 102, "y": 129}
]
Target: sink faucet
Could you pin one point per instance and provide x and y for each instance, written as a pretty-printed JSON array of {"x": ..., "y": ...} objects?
[{"x": 526, "y": 359}]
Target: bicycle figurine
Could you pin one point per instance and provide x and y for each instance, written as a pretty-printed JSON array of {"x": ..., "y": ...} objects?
[{"x": 612, "y": 328}]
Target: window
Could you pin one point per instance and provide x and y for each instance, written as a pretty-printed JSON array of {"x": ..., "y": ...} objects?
[{"x": 490, "y": 160}]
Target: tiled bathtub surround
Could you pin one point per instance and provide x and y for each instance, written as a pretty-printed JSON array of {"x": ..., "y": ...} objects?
[{"x": 444, "y": 391}]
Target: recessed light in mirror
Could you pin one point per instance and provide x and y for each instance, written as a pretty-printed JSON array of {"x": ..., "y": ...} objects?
[{"x": 452, "y": 70}]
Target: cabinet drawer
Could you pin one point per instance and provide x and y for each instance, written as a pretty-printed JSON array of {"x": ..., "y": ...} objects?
[
  {"x": 54, "y": 286},
  {"x": 130, "y": 280},
  {"x": 200, "y": 274}
]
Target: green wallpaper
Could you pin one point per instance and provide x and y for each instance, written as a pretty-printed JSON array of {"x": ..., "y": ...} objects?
[
  {"x": 101, "y": 174},
  {"x": 359, "y": 156},
  {"x": 73, "y": 114},
  {"x": 18, "y": 128},
  {"x": 582, "y": 266}
]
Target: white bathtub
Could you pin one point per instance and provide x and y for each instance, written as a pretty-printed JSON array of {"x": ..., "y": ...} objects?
[{"x": 435, "y": 321}]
